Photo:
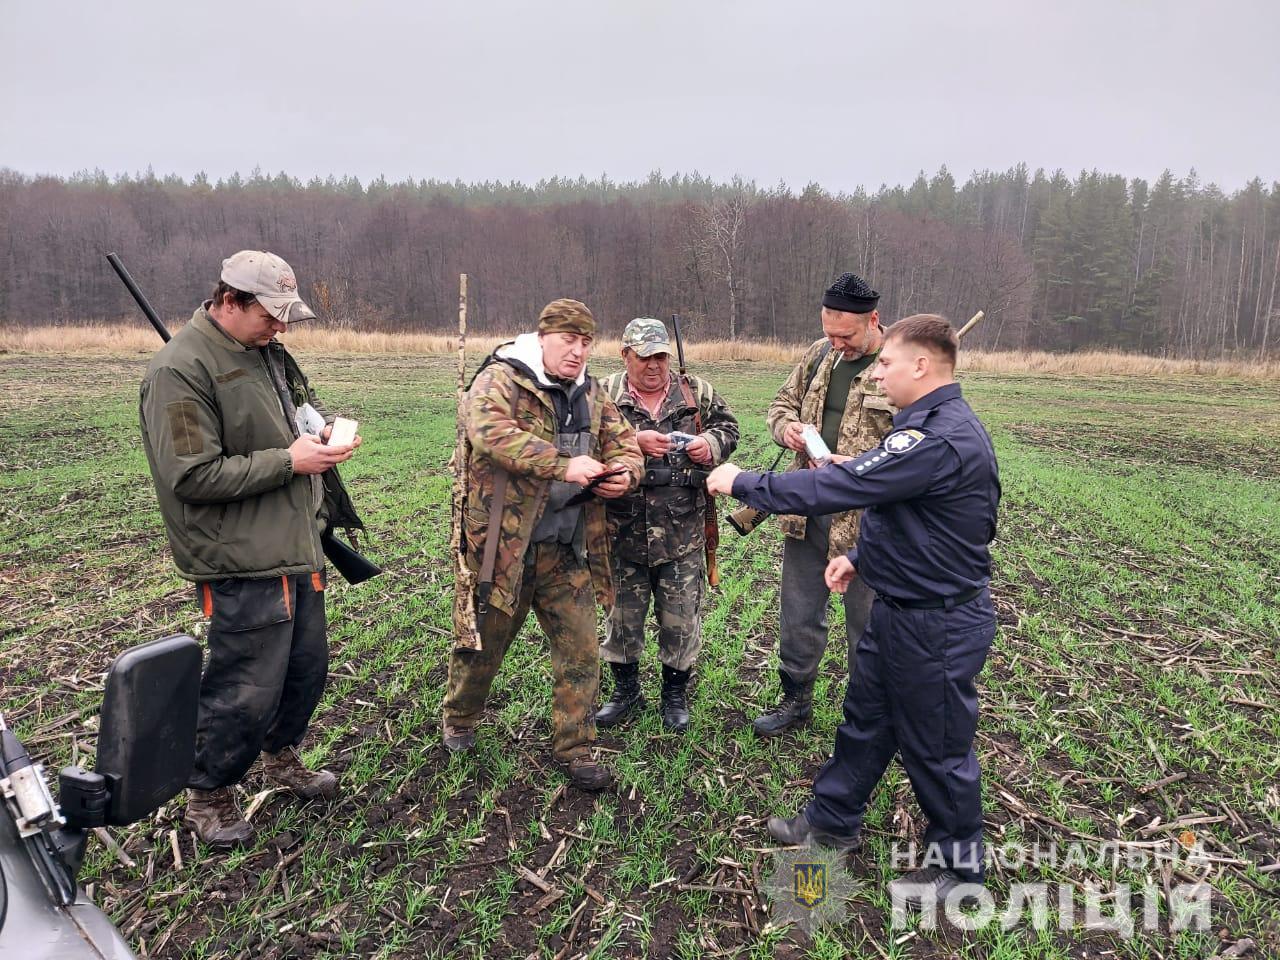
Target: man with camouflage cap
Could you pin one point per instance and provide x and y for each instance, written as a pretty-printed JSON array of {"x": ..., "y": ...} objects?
[
  {"x": 658, "y": 531},
  {"x": 542, "y": 433},
  {"x": 832, "y": 390}
]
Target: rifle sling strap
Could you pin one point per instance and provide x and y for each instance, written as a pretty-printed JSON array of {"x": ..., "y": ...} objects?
[
  {"x": 484, "y": 584},
  {"x": 688, "y": 398}
]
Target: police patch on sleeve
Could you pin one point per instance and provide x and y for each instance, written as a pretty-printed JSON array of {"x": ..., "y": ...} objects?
[
  {"x": 902, "y": 441},
  {"x": 894, "y": 444}
]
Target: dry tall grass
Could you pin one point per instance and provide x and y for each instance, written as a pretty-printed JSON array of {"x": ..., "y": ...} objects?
[
  {"x": 1100, "y": 362},
  {"x": 123, "y": 338}
]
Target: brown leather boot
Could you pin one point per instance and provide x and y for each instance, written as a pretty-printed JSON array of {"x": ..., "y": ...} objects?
[
  {"x": 286, "y": 769},
  {"x": 215, "y": 817},
  {"x": 587, "y": 773}
]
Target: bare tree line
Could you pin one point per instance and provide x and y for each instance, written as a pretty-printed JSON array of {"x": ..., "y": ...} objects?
[{"x": 1171, "y": 268}]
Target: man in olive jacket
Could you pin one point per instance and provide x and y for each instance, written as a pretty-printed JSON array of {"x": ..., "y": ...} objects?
[{"x": 237, "y": 473}]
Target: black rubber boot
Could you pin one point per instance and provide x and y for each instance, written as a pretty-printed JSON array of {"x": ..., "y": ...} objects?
[
  {"x": 675, "y": 700},
  {"x": 794, "y": 710},
  {"x": 627, "y": 697}
]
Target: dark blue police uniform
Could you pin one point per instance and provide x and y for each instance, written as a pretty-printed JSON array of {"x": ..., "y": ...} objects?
[{"x": 930, "y": 491}]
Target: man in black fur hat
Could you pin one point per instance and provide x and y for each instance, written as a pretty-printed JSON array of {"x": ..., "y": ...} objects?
[{"x": 830, "y": 389}]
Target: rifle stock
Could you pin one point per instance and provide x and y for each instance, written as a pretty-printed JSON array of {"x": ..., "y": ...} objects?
[
  {"x": 746, "y": 519},
  {"x": 352, "y": 565}
]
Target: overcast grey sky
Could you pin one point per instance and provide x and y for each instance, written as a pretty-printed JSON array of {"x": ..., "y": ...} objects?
[{"x": 844, "y": 94}]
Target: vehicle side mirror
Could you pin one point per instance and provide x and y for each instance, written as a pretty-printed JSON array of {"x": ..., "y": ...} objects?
[{"x": 147, "y": 737}]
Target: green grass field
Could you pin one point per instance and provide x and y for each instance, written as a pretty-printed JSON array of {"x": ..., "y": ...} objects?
[{"x": 1133, "y": 692}]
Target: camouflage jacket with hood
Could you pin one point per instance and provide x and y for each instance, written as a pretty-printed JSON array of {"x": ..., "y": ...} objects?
[
  {"x": 510, "y": 424},
  {"x": 868, "y": 417}
]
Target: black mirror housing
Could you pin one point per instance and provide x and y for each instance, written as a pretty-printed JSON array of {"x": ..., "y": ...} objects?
[{"x": 147, "y": 738}]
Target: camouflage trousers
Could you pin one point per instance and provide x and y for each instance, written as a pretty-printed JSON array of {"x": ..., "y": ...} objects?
[
  {"x": 557, "y": 587},
  {"x": 676, "y": 589}
]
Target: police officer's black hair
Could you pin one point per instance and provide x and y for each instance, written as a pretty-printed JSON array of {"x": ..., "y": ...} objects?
[
  {"x": 928, "y": 330},
  {"x": 243, "y": 300}
]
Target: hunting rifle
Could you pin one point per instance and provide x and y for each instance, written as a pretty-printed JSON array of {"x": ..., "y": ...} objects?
[{"x": 710, "y": 528}]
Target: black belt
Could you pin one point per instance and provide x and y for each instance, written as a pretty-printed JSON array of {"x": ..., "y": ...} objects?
[
  {"x": 674, "y": 477},
  {"x": 933, "y": 603}
]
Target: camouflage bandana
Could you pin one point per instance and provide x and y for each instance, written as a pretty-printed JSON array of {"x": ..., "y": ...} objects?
[
  {"x": 646, "y": 337},
  {"x": 567, "y": 315}
]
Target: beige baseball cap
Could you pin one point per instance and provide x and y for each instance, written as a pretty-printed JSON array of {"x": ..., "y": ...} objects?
[{"x": 270, "y": 280}]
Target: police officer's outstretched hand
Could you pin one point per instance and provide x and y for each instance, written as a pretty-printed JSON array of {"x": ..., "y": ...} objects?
[
  {"x": 311, "y": 455},
  {"x": 720, "y": 480},
  {"x": 840, "y": 573}
]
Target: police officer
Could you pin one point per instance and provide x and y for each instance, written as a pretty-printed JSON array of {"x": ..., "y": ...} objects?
[
  {"x": 238, "y": 478},
  {"x": 658, "y": 532},
  {"x": 930, "y": 494}
]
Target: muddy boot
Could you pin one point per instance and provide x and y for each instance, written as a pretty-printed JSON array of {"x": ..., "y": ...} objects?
[
  {"x": 215, "y": 817},
  {"x": 458, "y": 739},
  {"x": 798, "y": 832},
  {"x": 675, "y": 702},
  {"x": 794, "y": 710},
  {"x": 627, "y": 697},
  {"x": 286, "y": 769},
  {"x": 926, "y": 888},
  {"x": 587, "y": 773}
]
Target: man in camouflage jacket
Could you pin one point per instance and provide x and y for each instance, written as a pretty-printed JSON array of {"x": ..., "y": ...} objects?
[
  {"x": 540, "y": 431},
  {"x": 658, "y": 531},
  {"x": 831, "y": 389}
]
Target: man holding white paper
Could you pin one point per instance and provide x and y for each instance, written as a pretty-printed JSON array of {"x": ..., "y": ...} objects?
[
  {"x": 831, "y": 394},
  {"x": 235, "y": 438}
]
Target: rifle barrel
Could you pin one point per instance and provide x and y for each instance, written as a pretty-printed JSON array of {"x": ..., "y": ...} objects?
[
  {"x": 675, "y": 327},
  {"x": 138, "y": 296}
]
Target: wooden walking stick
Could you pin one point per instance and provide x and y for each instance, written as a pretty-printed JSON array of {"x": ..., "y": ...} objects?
[{"x": 466, "y": 632}]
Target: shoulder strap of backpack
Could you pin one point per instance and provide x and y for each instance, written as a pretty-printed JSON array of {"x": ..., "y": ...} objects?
[{"x": 817, "y": 362}]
